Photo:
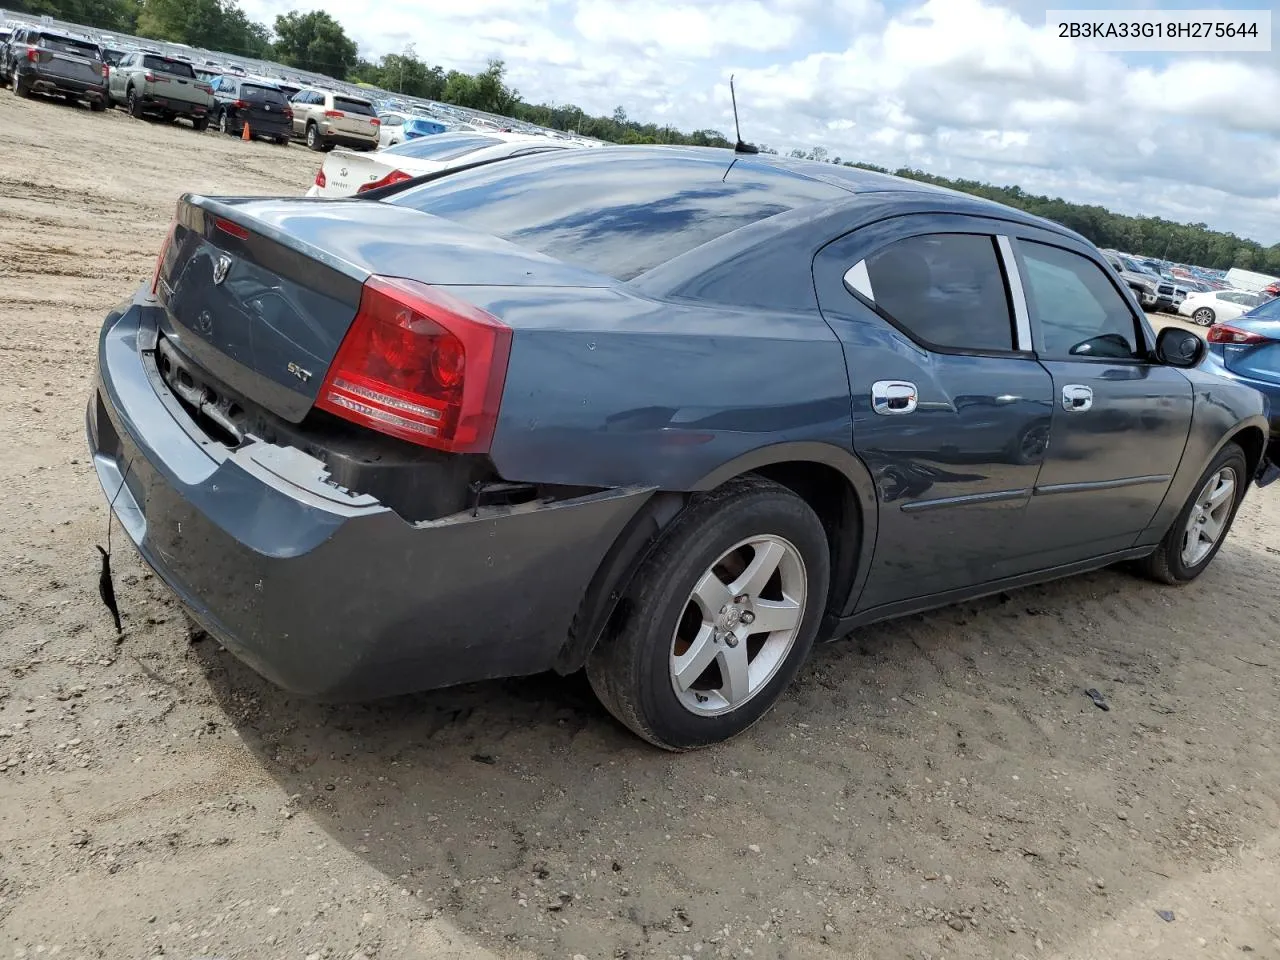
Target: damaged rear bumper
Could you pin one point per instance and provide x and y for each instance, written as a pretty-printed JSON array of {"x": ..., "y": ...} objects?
[{"x": 325, "y": 592}]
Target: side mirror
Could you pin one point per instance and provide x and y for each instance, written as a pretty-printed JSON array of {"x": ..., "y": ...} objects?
[{"x": 1179, "y": 348}]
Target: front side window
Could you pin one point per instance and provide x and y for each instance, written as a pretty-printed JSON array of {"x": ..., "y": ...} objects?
[
  {"x": 946, "y": 290},
  {"x": 1079, "y": 311}
]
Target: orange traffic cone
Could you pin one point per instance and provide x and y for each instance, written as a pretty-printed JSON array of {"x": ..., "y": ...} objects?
[{"x": 245, "y": 135}]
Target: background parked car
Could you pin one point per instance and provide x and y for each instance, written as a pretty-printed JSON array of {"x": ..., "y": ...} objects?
[
  {"x": 168, "y": 86},
  {"x": 1138, "y": 277},
  {"x": 40, "y": 60},
  {"x": 262, "y": 106},
  {"x": 324, "y": 119},
  {"x": 1217, "y": 306},
  {"x": 397, "y": 127},
  {"x": 1247, "y": 349},
  {"x": 344, "y": 173}
]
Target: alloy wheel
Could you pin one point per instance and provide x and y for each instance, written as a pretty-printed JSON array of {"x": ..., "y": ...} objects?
[{"x": 1209, "y": 516}]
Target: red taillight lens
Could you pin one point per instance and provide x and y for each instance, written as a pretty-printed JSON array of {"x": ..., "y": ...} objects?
[
  {"x": 204, "y": 88},
  {"x": 1225, "y": 333},
  {"x": 240, "y": 104},
  {"x": 320, "y": 180},
  {"x": 106, "y": 71},
  {"x": 421, "y": 365},
  {"x": 375, "y": 121},
  {"x": 334, "y": 113},
  {"x": 33, "y": 54},
  {"x": 288, "y": 114},
  {"x": 395, "y": 176},
  {"x": 164, "y": 249}
]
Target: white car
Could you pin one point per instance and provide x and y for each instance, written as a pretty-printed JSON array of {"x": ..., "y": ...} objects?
[
  {"x": 1219, "y": 306},
  {"x": 346, "y": 173}
]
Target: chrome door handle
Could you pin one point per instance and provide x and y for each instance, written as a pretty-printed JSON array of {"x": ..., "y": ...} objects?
[
  {"x": 1076, "y": 398},
  {"x": 892, "y": 397}
]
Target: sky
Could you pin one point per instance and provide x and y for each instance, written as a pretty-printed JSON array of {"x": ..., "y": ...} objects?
[{"x": 962, "y": 88}]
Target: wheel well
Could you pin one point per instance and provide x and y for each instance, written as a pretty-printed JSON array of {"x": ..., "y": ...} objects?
[
  {"x": 1250, "y": 440},
  {"x": 831, "y": 496}
]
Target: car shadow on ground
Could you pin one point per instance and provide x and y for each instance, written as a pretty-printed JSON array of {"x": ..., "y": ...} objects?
[{"x": 934, "y": 776}]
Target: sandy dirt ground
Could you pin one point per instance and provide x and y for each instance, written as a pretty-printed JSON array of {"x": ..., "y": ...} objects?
[{"x": 934, "y": 787}]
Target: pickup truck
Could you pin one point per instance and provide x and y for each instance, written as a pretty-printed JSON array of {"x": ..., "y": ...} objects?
[
  {"x": 43, "y": 60},
  {"x": 152, "y": 83}
]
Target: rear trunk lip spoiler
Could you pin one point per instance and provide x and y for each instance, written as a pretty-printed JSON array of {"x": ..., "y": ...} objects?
[{"x": 381, "y": 193}]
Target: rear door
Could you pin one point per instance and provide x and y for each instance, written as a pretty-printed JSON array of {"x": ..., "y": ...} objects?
[
  {"x": 951, "y": 410},
  {"x": 1120, "y": 419}
]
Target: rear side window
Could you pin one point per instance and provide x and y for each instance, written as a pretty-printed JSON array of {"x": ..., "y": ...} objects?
[
  {"x": 80, "y": 48},
  {"x": 441, "y": 147},
  {"x": 256, "y": 94},
  {"x": 175, "y": 68},
  {"x": 358, "y": 107},
  {"x": 1078, "y": 310},
  {"x": 946, "y": 290},
  {"x": 617, "y": 212}
]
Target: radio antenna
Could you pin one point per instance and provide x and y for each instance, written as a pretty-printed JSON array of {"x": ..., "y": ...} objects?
[{"x": 740, "y": 147}]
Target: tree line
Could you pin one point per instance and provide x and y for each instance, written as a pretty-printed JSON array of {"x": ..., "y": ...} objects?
[{"x": 316, "y": 42}]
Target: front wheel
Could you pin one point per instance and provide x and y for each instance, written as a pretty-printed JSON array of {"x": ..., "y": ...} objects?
[
  {"x": 1196, "y": 536},
  {"x": 719, "y": 618}
]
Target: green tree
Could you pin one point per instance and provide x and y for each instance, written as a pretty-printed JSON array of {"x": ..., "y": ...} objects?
[
  {"x": 121, "y": 15},
  {"x": 315, "y": 41},
  {"x": 213, "y": 24}
]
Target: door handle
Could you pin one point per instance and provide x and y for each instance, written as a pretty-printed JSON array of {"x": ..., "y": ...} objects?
[
  {"x": 892, "y": 397},
  {"x": 1076, "y": 398}
]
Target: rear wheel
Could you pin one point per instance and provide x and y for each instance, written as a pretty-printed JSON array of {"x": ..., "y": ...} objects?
[
  {"x": 283, "y": 141},
  {"x": 135, "y": 104},
  {"x": 20, "y": 87},
  {"x": 200, "y": 124},
  {"x": 97, "y": 106},
  {"x": 1196, "y": 536},
  {"x": 313, "y": 137},
  {"x": 719, "y": 618},
  {"x": 224, "y": 123},
  {"x": 1204, "y": 316}
]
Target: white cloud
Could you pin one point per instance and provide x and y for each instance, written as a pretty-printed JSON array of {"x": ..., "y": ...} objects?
[{"x": 971, "y": 88}]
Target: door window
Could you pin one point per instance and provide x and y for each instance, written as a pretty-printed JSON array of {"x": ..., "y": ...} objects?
[
  {"x": 945, "y": 290},
  {"x": 1079, "y": 311}
]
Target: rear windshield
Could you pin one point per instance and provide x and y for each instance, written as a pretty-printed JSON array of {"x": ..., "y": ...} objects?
[
  {"x": 251, "y": 91},
  {"x": 617, "y": 212},
  {"x": 81, "y": 48},
  {"x": 353, "y": 106},
  {"x": 176, "y": 68},
  {"x": 442, "y": 146}
]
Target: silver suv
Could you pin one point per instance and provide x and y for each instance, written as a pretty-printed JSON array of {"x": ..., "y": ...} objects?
[{"x": 324, "y": 120}]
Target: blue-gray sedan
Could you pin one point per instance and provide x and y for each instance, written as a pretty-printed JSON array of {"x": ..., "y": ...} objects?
[{"x": 668, "y": 414}]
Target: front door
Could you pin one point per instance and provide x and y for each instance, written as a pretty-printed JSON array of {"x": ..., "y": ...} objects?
[
  {"x": 1120, "y": 419},
  {"x": 951, "y": 410}
]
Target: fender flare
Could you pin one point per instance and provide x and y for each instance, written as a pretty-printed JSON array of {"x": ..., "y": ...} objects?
[{"x": 637, "y": 540}]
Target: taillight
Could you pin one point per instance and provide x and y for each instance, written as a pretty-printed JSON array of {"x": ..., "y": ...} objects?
[
  {"x": 395, "y": 176},
  {"x": 334, "y": 113},
  {"x": 106, "y": 71},
  {"x": 421, "y": 365},
  {"x": 288, "y": 113},
  {"x": 1225, "y": 333},
  {"x": 164, "y": 249},
  {"x": 240, "y": 104},
  {"x": 375, "y": 121},
  {"x": 230, "y": 227},
  {"x": 33, "y": 54},
  {"x": 320, "y": 180},
  {"x": 204, "y": 88}
]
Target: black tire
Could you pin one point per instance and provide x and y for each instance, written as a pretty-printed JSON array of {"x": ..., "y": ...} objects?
[
  {"x": 1203, "y": 316},
  {"x": 630, "y": 669},
  {"x": 97, "y": 106},
  {"x": 135, "y": 103},
  {"x": 1166, "y": 564},
  {"x": 313, "y": 138},
  {"x": 225, "y": 124},
  {"x": 20, "y": 89},
  {"x": 282, "y": 141},
  {"x": 199, "y": 124}
]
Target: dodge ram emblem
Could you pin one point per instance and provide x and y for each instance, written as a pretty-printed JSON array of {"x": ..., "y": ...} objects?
[{"x": 220, "y": 269}]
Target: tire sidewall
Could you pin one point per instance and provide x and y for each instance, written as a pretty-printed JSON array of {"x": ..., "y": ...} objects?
[
  {"x": 1233, "y": 456},
  {"x": 1208, "y": 313},
  {"x": 670, "y": 579}
]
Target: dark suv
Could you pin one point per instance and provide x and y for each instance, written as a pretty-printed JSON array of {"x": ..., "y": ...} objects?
[
  {"x": 259, "y": 104},
  {"x": 37, "y": 60}
]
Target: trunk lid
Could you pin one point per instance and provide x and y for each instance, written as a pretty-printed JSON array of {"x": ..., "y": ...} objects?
[
  {"x": 70, "y": 59},
  {"x": 356, "y": 120},
  {"x": 266, "y": 109},
  {"x": 346, "y": 171},
  {"x": 260, "y": 293}
]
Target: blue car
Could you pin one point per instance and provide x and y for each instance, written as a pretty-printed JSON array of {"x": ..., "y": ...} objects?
[
  {"x": 1247, "y": 350},
  {"x": 398, "y": 127},
  {"x": 666, "y": 414}
]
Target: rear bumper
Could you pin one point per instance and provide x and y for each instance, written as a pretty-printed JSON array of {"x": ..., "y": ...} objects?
[
  {"x": 183, "y": 108},
  {"x": 48, "y": 84},
  {"x": 344, "y": 140},
  {"x": 329, "y": 594}
]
